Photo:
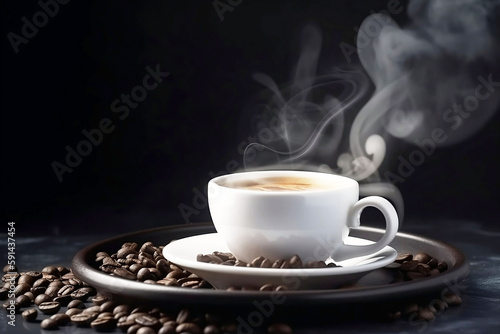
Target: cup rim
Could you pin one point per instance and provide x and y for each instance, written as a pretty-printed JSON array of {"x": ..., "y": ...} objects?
[{"x": 346, "y": 181}]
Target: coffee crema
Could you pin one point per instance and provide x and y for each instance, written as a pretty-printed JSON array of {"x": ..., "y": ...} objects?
[{"x": 271, "y": 184}]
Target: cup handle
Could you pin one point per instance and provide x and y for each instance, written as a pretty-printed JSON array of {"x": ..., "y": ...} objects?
[{"x": 391, "y": 222}]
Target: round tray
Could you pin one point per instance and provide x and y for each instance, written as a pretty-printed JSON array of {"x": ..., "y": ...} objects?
[{"x": 373, "y": 290}]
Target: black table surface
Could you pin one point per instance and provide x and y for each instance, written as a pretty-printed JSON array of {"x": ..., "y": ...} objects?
[{"x": 480, "y": 291}]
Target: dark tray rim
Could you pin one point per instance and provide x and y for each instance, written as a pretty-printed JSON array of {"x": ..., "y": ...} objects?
[{"x": 127, "y": 289}]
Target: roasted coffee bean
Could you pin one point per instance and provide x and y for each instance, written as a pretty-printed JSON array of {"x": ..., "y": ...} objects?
[
  {"x": 49, "y": 307},
  {"x": 134, "y": 268},
  {"x": 21, "y": 289},
  {"x": 124, "y": 273},
  {"x": 83, "y": 293},
  {"x": 41, "y": 282},
  {"x": 123, "y": 252},
  {"x": 23, "y": 301},
  {"x": 30, "y": 314},
  {"x": 145, "y": 274},
  {"x": 63, "y": 270},
  {"x": 61, "y": 318},
  {"x": 42, "y": 299},
  {"x": 188, "y": 327},
  {"x": 403, "y": 257},
  {"x": 50, "y": 270},
  {"x": 57, "y": 284},
  {"x": 279, "y": 328},
  {"x": 52, "y": 291},
  {"x": 99, "y": 300},
  {"x": 48, "y": 324},
  {"x": 38, "y": 290},
  {"x": 148, "y": 320},
  {"x": 442, "y": 266},
  {"x": 92, "y": 309},
  {"x": 72, "y": 311},
  {"x": 63, "y": 300},
  {"x": 133, "y": 329},
  {"x": 30, "y": 295},
  {"x": 145, "y": 330},
  {"x": 182, "y": 316},
  {"x": 122, "y": 308},
  {"x": 82, "y": 319},
  {"x": 163, "y": 266},
  {"x": 27, "y": 279},
  {"x": 66, "y": 290},
  {"x": 210, "y": 329},
  {"x": 409, "y": 265},
  {"x": 125, "y": 325},
  {"x": 168, "y": 329},
  {"x": 422, "y": 257},
  {"x": 295, "y": 262},
  {"x": 76, "y": 304},
  {"x": 104, "y": 324},
  {"x": 433, "y": 263}
]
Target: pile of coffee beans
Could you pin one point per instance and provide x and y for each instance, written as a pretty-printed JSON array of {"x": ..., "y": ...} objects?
[
  {"x": 420, "y": 265},
  {"x": 229, "y": 259},
  {"x": 145, "y": 263},
  {"x": 56, "y": 299}
]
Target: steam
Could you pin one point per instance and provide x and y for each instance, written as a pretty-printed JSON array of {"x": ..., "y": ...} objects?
[{"x": 415, "y": 80}]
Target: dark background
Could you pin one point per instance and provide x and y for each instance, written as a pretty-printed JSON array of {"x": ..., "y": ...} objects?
[{"x": 64, "y": 79}]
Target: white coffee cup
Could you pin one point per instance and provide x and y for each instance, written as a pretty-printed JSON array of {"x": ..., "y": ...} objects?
[{"x": 277, "y": 214}]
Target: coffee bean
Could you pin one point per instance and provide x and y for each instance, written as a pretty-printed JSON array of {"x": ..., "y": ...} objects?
[
  {"x": 104, "y": 324},
  {"x": 30, "y": 295},
  {"x": 41, "y": 282},
  {"x": 21, "y": 289},
  {"x": 422, "y": 257},
  {"x": 168, "y": 329},
  {"x": 48, "y": 324},
  {"x": 27, "y": 279},
  {"x": 30, "y": 314},
  {"x": 63, "y": 300},
  {"x": 23, "y": 301},
  {"x": 403, "y": 257},
  {"x": 295, "y": 262},
  {"x": 433, "y": 263},
  {"x": 42, "y": 299},
  {"x": 144, "y": 274},
  {"x": 73, "y": 311},
  {"x": 182, "y": 316},
  {"x": 279, "y": 328},
  {"x": 442, "y": 266},
  {"x": 49, "y": 307},
  {"x": 209, "y": 329},
  {"x": 66, "y": 290},
  {"x": 38, "y": 290},
  {"x": 82, "y": 319},
  {"x": 61, "y": 318},
  {"x": 76, "y": 304},
  {"x": 133, "y": 329},
  {"x": 51, "y": 291},
  {"x": 409, "y": 265},
  {"x": 148, "y": 320},
  {"x": 121, "y": 272},
  {"x": 51, "y": 270},
  {"x": 188, "y": 327},
  {"x": 83, "y": 293},
  {"x": 146, "y": 330}
]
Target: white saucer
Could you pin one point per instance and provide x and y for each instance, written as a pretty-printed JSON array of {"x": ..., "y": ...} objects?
[{"x": 183, "y": 253}]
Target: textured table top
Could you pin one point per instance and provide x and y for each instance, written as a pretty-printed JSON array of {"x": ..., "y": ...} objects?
[{"x": 480, "y": 291}]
